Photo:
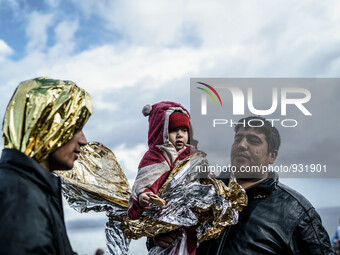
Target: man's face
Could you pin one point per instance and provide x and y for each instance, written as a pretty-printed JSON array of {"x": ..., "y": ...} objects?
[
  {"x": 64, "y": 157},
  {"x": 250, "y": 148},
  {"x": 179, "y": 137}
]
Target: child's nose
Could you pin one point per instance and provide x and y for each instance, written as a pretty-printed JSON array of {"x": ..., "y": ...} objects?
[{"x": 180, "y": 133}]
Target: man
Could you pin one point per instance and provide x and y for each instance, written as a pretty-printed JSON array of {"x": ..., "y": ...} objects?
[
  {"x": 42, "y": 132},
  {"x": 277, "y": 220}
]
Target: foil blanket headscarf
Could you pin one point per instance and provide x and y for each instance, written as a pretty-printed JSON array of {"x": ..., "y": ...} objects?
[
  {"x": 161, "y": 157},
  {"x": 43, "y": 114}
]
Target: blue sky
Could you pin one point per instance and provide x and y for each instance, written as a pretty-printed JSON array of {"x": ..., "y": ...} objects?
[
  {"x": 130, "y": 53},
  {"x": 17, "y": 14}
]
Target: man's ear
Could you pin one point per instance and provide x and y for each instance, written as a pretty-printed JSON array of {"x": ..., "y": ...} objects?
[{"x": 272, "y": 156}]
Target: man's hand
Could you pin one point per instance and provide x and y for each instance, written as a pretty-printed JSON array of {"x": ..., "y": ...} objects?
[
  {"x": 144, "y": 200},
  {"x": 164, "y": 240}
]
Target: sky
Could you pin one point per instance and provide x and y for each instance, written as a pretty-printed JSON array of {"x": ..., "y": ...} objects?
[{"x": 127, "y": 54}]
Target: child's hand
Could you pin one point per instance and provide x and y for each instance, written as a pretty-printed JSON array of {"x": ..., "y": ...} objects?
[{"x": 144, "y": 200}]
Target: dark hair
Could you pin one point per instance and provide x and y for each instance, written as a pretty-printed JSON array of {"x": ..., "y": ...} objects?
[{"x": 263, "y": 126}]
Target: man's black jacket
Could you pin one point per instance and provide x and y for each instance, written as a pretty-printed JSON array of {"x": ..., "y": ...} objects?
[
  {"x": 31, "y": 213},
  {"x": 277, "y": 220}
]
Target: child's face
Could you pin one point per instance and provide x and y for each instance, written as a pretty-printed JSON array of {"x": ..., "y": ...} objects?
[{"x": 179, "y": 137}]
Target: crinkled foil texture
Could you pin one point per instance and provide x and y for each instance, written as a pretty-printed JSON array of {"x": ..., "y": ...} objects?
[
  {"x": 207, "y": 203},
  {"x": 44, "y": 114},
  {"x": 191, "y": 201},
  {"x": 99, "y": 174}
]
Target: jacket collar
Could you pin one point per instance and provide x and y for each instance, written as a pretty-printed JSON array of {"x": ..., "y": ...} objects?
[
  {"x": 263, "y": 188},
  {"x": 29, "y": 168}
]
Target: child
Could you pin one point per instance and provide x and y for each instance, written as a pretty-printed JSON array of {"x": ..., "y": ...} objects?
[{"x": 168, "y": 138}]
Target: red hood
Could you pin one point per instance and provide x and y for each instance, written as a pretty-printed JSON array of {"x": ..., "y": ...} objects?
[{"x": 158, "y": 132}]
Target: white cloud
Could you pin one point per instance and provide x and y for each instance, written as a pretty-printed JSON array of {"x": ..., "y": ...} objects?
[
  {"x": 65, "y": 44},
  {"x": 148, "y": 22},
  {"x": 112, "y": 67},
  {"x": 36, "y": 30},
  {"x": 129, "y": 158},
  {"x": 218, "y": 23},
  {"x": 232, "y": 43},
  {"x": 262, "y": 38},
  {"x": 5, "y": 50},
  {"x": 103, "y": 104}
]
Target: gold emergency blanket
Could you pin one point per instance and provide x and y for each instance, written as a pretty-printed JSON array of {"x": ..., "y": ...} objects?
[
  {"x": 98, "y": 183},
  {"x": 44, "y": 114},
  {"x": 98, "y": 172}
]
